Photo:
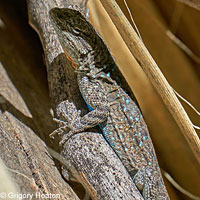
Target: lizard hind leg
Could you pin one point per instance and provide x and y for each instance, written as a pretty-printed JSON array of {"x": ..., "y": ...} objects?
[
  {"x": 143, "y": 183},
  {"x": 149, "y": 185},
  {"x": 139, "y": 179}
]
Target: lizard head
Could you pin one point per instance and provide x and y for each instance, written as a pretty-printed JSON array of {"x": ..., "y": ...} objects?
[{"x": 74, "y": 33}]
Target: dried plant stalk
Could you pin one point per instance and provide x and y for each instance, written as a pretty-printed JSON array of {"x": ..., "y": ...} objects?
[
  {"x": 192, "y": 3},
  {"x": 141, "y": 54}
]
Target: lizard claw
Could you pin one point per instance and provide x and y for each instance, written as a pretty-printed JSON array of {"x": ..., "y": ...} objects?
[
  {"x": 60, "y": 130},
  {"x": 66, "y": 137},
  {"x": 61, "y": 122}
]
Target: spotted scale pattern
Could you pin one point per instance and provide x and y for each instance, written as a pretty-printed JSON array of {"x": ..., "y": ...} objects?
[
  {"x": 125, "y": 130},
  {"x": 110, "y": 107}
]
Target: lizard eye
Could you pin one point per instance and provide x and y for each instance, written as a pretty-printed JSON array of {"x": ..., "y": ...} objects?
[{"x": 76, "y": 30}]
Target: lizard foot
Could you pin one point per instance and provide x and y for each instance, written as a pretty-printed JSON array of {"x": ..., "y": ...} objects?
[{"x": 70, "y": 124}]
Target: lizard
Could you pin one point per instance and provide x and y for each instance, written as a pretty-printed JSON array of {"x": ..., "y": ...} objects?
[{"x": 111, "y": 108}]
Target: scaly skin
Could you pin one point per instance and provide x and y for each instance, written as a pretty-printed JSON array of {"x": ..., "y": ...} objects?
[{"x": 111, "y": 108}]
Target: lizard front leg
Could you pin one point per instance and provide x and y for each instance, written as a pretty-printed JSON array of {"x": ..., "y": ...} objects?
[
  {"x": 96, "y": 99},
  {"x": 89, "y": 120},
  {"x": 77, "y": 123}
]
